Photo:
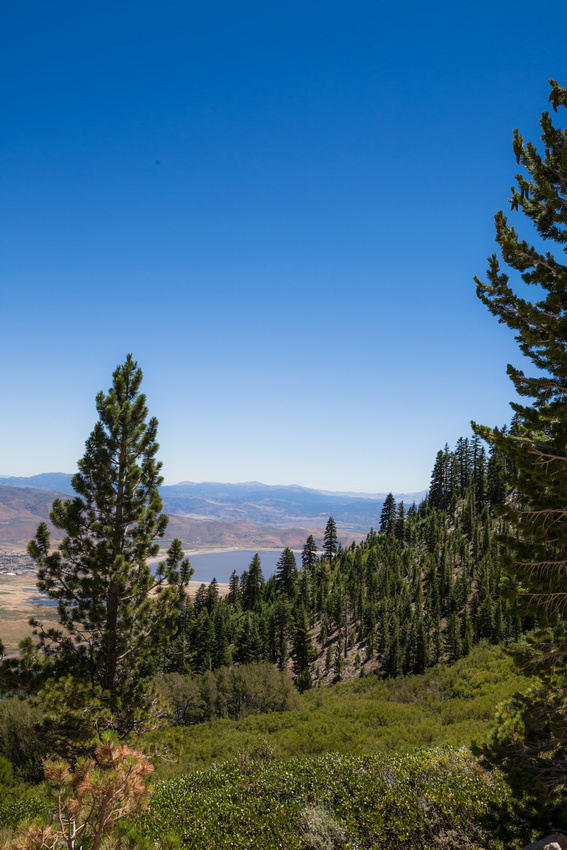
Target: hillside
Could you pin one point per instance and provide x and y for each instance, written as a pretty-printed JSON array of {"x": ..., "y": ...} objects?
[{"x": 21, "y": 509}]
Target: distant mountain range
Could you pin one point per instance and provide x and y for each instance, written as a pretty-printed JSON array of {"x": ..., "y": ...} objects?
[{"x": 230, "y": 514}]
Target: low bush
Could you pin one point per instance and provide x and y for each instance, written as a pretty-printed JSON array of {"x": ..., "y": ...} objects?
[{"x": 429, "y": 799}]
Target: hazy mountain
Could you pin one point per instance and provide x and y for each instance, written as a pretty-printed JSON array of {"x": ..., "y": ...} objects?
[
  {"x": 278, "y": 506},
  {"x": 21, "y": 511},
  {"x": 58, "y": 482}
]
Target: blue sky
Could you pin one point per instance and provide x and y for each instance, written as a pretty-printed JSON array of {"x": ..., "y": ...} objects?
[{"x": 278, "y": 209}]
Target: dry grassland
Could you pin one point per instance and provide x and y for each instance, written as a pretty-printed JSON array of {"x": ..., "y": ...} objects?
[{"x": 20, "y": 600}]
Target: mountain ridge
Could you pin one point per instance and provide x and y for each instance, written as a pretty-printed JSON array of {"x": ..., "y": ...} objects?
[
  {"x": 47, "y": 480},
  {"x": 209, "y": 513}
]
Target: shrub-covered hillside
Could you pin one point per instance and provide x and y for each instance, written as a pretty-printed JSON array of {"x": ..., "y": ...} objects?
[{"x": 447, "y": 705}]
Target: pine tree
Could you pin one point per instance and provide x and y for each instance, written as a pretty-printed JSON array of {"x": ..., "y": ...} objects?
[
  {"x": 400, "y": 524},
  {"x": 388, "y": 515},
  {"x": 253, "y": 586},
  {"x": 248, "y": 643},
  {"x": 112, "y": 619},
  {"x": 535, "y": 555},
  {"x": 234, "y": 594},
  {"x": 421, "y": 647},
  {"x": 212, "y": 595},
  {"x": 330, "y": 544},
  {"x": 393, "y": 658},
  {"x": 281, "y": 626},
  {"x": 437, "y": 487},
  {"x": 309, "y": 555},
  {"x": 462, "y": 465},
  {"x": 286, "y": 574},
  {"x": 338, "y": 665},
  {"x": 302, "y": 650},
  {"x": 204, "y": 644}
]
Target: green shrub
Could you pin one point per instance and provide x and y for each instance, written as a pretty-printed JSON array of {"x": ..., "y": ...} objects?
[
  {"x": 230, "y": 692},
  {"x": 20, "y": 742},
  {"x": 379, "y": 801}
]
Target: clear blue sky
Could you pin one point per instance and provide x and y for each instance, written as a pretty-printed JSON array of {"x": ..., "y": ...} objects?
[{"x": 278, "y": 208}]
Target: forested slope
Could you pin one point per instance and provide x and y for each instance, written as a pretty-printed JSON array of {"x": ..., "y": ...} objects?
[{"x": 420, "y": 589}]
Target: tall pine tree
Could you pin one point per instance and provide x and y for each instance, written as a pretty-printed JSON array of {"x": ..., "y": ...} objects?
[
  {"x": 330, "y": 543},
  {"x": 536, "y": 448},
  {"x": 113, "y": 611}
]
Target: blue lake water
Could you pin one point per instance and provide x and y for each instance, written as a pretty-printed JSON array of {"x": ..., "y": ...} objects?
[
  {"x": 220, "y": 565},
  {"x": 208, "y": 566}
]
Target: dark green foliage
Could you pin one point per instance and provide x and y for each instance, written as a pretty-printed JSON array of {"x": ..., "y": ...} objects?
[
  {"x": 99, "y": 576},
  {"x": 423, "y": 590},
  {"x": 286, "y": 574},
  {"x": 249, "y": 645},
  {"x": 303, "y": 651},
  {"x": 534, "y": 451},
  {"x": 528, "y": 744},
  {"x": 330, "y": 544},
  {"x": 309, "y": 556},
  {"x": 253, "y": 584},
  {"x": 388, "y": 515},
  {"x": 234, "y": 592}
]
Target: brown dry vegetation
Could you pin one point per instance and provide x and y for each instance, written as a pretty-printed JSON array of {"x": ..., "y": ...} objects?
[{"x": 16, "y": 607}]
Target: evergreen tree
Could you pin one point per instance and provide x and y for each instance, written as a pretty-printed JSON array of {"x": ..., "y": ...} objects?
[
  {"x": 234, "y": 594},
  {"x": 421, "y": 647},
  {"x": 437, "y": 487},
  {"x": 112, "y": 619},
  {"x": 452, "y": 638},
  {"x": 388, "y": 515},
  {"x": 338, "y": 665},
  {"x": 286, "y": 574},
  {"x": 309, "y": 555},
  {"x": 400, "y": 525},
  {"x": 393, "y": 659},
  {"x": 248, "y": 643},
  {"x": 495, "y": 471},
  {"x": 535, "y": 555},
  {"x": 281, "y": 626},
  {"x": 204, "y": 645},
  {"x": 200, "y": 600},
  {"x": 253, "y": 585},
  {"x": 302, "y": 650},
  {"x": 212, "y": 595},
  {"x": 330, "y": 545},
  {"x": 478, "y": 460},
  {"x": 462, "y": 465},
  {"x": 222, "y": 656}
]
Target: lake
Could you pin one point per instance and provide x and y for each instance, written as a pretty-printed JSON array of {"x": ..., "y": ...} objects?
[{"x": 220, "y": 565}]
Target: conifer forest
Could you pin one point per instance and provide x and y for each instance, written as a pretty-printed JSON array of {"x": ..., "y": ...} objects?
[{"x": 422, "y": 588}]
